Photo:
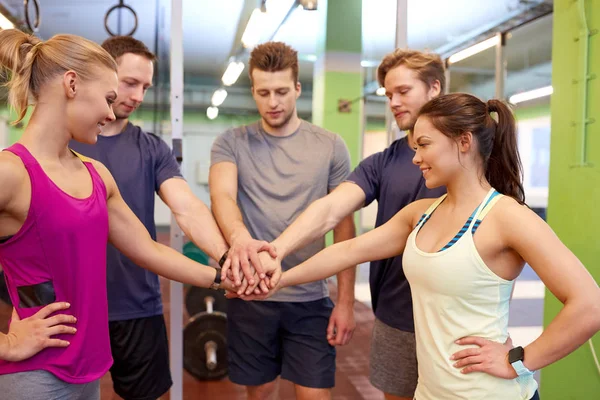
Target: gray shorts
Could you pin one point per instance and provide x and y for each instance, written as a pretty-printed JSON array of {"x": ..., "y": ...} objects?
[
  {"x": 42, "y": 385},
  {"x": 393, "y": 360}
]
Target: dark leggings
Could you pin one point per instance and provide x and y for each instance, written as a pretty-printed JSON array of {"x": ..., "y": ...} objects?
[{"x": 536, "y": 396}]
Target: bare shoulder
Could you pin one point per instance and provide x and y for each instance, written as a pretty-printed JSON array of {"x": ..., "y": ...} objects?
[
  {"x": 417, "y": 208},
  {"x": 104, "y": 173},
  {"x": 12, "y": 170},
  {"x": 510, "y": 217},
  {"x": 12, "y": 175}
]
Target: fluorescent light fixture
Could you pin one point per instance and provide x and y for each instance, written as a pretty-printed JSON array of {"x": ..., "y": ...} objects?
[
  {"x": 380, "y": 91},
  {"x": 369, "y": 63},
  {"x": 311, "y": 57},
  {"x": 232, "y": 73},
  {"x": 212, "y": 112},
  {"x": 476, "y": 48},
  {"x": 219, "y": 97},
  {"x": 278, "y": 6},
  {"x": 309, "y": 5},
  {"x": 530, "y": 95},
  {"x": 254, "y": 29},
  {"x": 5, "y": 23}
]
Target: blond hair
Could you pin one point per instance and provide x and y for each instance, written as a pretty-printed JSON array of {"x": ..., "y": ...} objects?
[
  {"x": 429, "y": 66},
  {"x": 33, "y": 63}
]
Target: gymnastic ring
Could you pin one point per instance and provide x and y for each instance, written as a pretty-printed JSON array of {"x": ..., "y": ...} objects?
[
  {"x": 36, "y": 24},
  {"x": 113, "y": 8}
]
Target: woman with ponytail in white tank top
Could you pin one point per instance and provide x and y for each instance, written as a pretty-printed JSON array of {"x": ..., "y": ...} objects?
[{"x": 462, "y": 254}]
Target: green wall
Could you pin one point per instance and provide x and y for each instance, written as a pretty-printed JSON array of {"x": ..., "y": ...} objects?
[{"x": 574, "y": 191}]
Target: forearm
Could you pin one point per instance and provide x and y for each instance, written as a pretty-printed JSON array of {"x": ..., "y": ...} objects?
[
  {"x": 573, "y": 325},
  {"x": 313, "y": 223},
  {"x": 346, "y": 278},
  {"x": 200, "y": 227},
  {"x": 166, "y": 262},
  {"x": 229, "y": 218},
  {"x": 324, "y": 264}
]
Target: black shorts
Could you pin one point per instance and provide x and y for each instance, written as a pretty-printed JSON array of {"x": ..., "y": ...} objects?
[
  {"x": 266, "y": 339},
  {"x": 141, "y": 358}
]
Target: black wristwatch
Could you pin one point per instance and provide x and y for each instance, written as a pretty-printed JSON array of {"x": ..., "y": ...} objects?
[
  {"x": 515, "y": 358},
  {"x": 217, "y": 282},
  {"x": 223, "y": 258}
]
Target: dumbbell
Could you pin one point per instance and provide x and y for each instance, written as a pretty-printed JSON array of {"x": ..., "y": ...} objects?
[{"x": 205, "y": 336}]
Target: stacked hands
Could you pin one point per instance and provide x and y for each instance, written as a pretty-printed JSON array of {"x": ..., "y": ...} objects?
[{"x": 253, "y": 267}]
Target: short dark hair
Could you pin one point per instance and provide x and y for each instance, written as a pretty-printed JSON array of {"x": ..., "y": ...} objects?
[
  {"x": 116, "y": 46},
  {"x": 274, "y": 57}
]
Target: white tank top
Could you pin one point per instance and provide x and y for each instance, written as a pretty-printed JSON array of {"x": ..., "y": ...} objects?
[{"x": 456, "y": 295}]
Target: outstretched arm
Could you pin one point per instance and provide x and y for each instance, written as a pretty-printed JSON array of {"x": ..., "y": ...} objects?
[
  {"x": 319, "y": 218},
  {"x": 194, "y": 217},
  {"x": 384, "y": 242},
  {"x": 129, "y": 235}
]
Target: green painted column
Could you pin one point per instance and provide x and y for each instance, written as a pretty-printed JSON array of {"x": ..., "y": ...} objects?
[
  {"x": 575, "y": 177},
  {"x": 338, "y": 75}
]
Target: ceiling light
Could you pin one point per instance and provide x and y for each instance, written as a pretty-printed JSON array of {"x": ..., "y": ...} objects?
[
  {"x": 232, "y": 73},
  {"x": 476, "y": 48},
  {"x": 530, "y": 95},
  {"x": 219, "y": 97},
  {"x": 5, "y": 23},
  {"x": 309, "y": 5},
  {"x": 254, "y": 29},
  {"x": 212, "y": 112}
]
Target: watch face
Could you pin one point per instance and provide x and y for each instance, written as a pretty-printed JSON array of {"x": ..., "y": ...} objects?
[{"x": 516, "y": 354}]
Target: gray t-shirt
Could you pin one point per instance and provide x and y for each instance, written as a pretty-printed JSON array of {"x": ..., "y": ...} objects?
[{"x": 278, "y": 177}]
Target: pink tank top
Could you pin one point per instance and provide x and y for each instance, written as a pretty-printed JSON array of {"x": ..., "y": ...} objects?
[{"x": 62, "y": 244}]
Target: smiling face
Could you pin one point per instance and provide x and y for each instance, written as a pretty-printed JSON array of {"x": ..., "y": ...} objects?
[
  {"x": 437, "y": 155},
  {"x": 90, "y": 106},
  {"x": 407, "y": 94}
]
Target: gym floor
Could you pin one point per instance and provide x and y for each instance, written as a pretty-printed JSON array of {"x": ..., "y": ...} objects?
[{"x": 352, "y": 380}]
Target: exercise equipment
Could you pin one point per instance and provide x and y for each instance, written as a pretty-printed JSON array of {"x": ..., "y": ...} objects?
[
  {"x": 35, "y": 26},
  {"x": 195, "y": 300},
  {"x": 205, "y": 339},
  {"x": 117, "y": 7}
]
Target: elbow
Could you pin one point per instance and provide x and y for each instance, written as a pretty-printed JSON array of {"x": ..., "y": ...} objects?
[
  {"x": 594, "y": 310},
  {"x": 330, "y": 217}
]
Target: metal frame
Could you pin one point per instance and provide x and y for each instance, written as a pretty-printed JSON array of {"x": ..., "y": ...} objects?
[
  {"x": 176, "y": 288},
  {"x": 400, "y": 43}
]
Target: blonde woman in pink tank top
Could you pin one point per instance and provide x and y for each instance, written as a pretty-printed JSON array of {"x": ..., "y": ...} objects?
[
  {"x": 462, "y": 253},
  {"x": 58, "y": 211}
]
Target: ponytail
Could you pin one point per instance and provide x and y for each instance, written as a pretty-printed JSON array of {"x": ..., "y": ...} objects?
[
  {"x": 504, "y": 170},
  {"x": 457, "y": 113},
  {"x": 33, "y": 63},
  {"x": 17, "y": 54}
]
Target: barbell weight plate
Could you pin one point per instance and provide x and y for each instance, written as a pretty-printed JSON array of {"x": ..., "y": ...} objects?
[
  {"x": 194, "y": 300},
  {"x": 202, "y": 329}
]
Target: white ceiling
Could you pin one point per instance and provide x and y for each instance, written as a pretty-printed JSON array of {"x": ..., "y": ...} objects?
[{"x": 212, "y": 29}]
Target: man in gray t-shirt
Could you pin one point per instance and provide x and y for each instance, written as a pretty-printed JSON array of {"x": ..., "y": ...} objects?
[{"x": 262, "y": 177}]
